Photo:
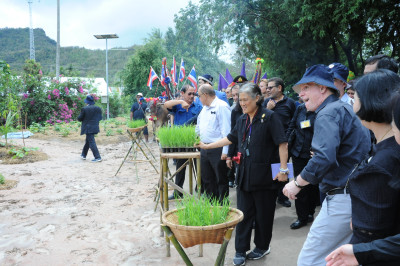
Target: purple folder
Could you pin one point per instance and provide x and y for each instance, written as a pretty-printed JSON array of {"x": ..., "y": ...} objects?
[{"x": 275, "y": 169}]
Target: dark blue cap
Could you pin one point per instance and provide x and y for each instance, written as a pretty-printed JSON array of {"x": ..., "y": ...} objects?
[
  {"x": 318, "y": 74},
  {"x": 207, "y": 78},
  {"x": 89, "y": 100},
  {"x": 339, "y": 71}
]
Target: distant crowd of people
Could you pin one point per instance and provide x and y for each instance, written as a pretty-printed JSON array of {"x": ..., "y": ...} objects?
[{"x": 342, "y": 138}]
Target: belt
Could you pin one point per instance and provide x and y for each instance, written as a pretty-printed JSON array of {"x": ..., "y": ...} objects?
[
  {"x": 338, "y": 190},
  {"x": 373, "y": 234}
]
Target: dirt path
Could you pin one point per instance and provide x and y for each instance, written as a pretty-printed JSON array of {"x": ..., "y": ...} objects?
[{"x": 66, "y": 211}]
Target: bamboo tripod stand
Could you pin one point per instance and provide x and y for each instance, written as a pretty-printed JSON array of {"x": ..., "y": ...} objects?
[{"x": 135, "y": 135}]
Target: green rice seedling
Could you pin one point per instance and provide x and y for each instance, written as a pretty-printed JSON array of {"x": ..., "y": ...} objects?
[
  {"x": 136, "y": 123},
  {"x": 202, "y": 211},
  {"x": 178, "y": 136},
  {"x": 119, "y": 131},
  {"x": 2, "y": 179}
]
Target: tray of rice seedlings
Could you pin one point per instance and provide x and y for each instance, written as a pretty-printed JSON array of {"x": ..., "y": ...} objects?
[
  {"x": 136, "y": 125},
  {"x": 199, "y": 220},
  {"x": 178, "y": 139}
]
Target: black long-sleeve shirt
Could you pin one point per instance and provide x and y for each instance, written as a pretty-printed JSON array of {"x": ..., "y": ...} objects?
[{"x": 300, "y": 132}]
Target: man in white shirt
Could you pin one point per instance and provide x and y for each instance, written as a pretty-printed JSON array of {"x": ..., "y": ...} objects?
[{"x": 213, "y": 123}]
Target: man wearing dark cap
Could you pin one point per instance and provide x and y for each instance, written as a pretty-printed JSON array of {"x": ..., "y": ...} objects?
[
  {"x": 339, "y": 143},
  {"x": 208, "y": 79},
  {"x": 138, "y": 113},
  {"x": 340, "y": 74},
  {"x": 90, "y": 117}
]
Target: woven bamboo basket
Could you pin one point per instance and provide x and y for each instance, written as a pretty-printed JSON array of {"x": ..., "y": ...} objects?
[
  {"x": 137, "y": 129},
  {"x": 190, "y": 236}
]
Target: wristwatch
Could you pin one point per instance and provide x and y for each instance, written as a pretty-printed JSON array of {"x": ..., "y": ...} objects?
[
  {"x": 284, "y": 171},
  {"x": 297, "y": 184}
]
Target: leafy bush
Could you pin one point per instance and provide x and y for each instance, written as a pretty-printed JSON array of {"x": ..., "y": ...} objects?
[
  {"x": 21, "y": 153},
  {"x": 201, "y": 211},
  {"x": 177, "y": 136},
  {"x": 136, "y": 123},
  {"x": 109, "y": 132}
]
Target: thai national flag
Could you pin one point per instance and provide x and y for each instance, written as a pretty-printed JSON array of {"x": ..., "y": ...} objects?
[
  {"x": 152, "y": 76},
  {"x": 193, "y": 78},
  {"x": 173, "y": 72},
  {"x": 182, "y": 71}
]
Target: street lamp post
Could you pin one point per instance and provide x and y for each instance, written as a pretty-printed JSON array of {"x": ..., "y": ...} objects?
[{"x": 107, "y": 36}]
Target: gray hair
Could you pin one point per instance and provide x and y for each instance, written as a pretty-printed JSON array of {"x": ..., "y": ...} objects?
[
  {"x": 253, "y": 91},
  {"x": 207, "y": 89}
]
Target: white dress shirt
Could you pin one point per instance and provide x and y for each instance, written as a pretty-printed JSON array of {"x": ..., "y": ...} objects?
[
  {"x": 346, "y": 98},
  {"x": 214, "y": 122}
]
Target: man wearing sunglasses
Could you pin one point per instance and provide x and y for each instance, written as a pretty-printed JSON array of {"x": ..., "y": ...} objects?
[
  {"x": 285, "y": 108},
  {"x": 183, "y": 110}
]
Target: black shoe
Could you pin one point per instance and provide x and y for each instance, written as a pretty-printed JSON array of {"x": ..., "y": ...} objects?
[
  {"x": 239, "y": 259},
  {"x": 285, "y": 203},
  {"x": 298, "y": 224},
  {"x": 257, "y": 253},
  {"x": 310, "y": 218}
]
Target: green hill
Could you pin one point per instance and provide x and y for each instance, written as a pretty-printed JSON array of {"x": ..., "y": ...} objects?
[{"x": 77, "y": 61}]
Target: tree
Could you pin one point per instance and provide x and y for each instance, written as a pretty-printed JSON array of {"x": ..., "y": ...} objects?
[{"x": 292, "y": 35}]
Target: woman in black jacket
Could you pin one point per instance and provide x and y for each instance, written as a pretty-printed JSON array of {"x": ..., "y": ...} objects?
[
  {"x": 374, "y": 185},
  {"x": 261, "y": 140}
]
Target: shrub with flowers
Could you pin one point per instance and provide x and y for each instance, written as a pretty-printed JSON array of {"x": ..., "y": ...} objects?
[{"x": 52, "y": 101}]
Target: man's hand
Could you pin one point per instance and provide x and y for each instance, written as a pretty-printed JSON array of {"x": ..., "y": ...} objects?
[
  {"x": 271, "y": 104},
  {"x": 224, "y": 156},
  {"x": 281, "y": 177},
  {"x": 185, "y": 105},
  {"x": 342, "y": 256},
  {"x": 229, "y": 162},
  {"x": 291, "y": 190},
  {"x": 201, "y": 145}
]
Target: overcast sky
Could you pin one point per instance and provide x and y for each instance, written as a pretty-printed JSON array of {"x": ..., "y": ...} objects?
[{"x": 131, "y": 20}]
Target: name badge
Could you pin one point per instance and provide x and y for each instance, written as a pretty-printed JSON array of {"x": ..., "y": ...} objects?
[{"x": 305, "y": 124}]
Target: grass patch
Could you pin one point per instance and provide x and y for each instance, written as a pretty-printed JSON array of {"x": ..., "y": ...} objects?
[
  {"x": 203, "y": 211},
  {"x": 136, "y": 123},
  {"x": 178, "y": 136}
]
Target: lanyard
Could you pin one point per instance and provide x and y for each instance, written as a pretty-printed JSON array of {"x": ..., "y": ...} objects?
[{"x": 248, "y": 128}]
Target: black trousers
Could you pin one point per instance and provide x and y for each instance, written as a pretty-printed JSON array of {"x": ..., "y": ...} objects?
[
  {"x": 214, "y": 178},
  {"x": 90, "y": 143},
  {"x": 258, "y": 207},
  {"x": 308, "y": 198},
  {"x": 180, "y": 176}
]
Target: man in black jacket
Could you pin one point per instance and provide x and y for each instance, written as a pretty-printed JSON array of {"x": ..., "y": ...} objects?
[
  {"x": 90, "y": 116},
  {"x": 285, "y": 108}
]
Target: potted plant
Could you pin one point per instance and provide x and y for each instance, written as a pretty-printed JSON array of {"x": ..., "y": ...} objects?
[
  {"x": 136, "y": 125},
  {"x": 177, "y": 138},
  {"x": 199, "y": 220}
]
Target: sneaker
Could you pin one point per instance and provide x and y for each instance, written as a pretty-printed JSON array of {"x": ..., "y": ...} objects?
[
  {"x": 97, "y": 160},
  {"x": 83, "y": 157},
  {"x": 257, "y": 253},
  {"x": 239, "y": 259}
]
